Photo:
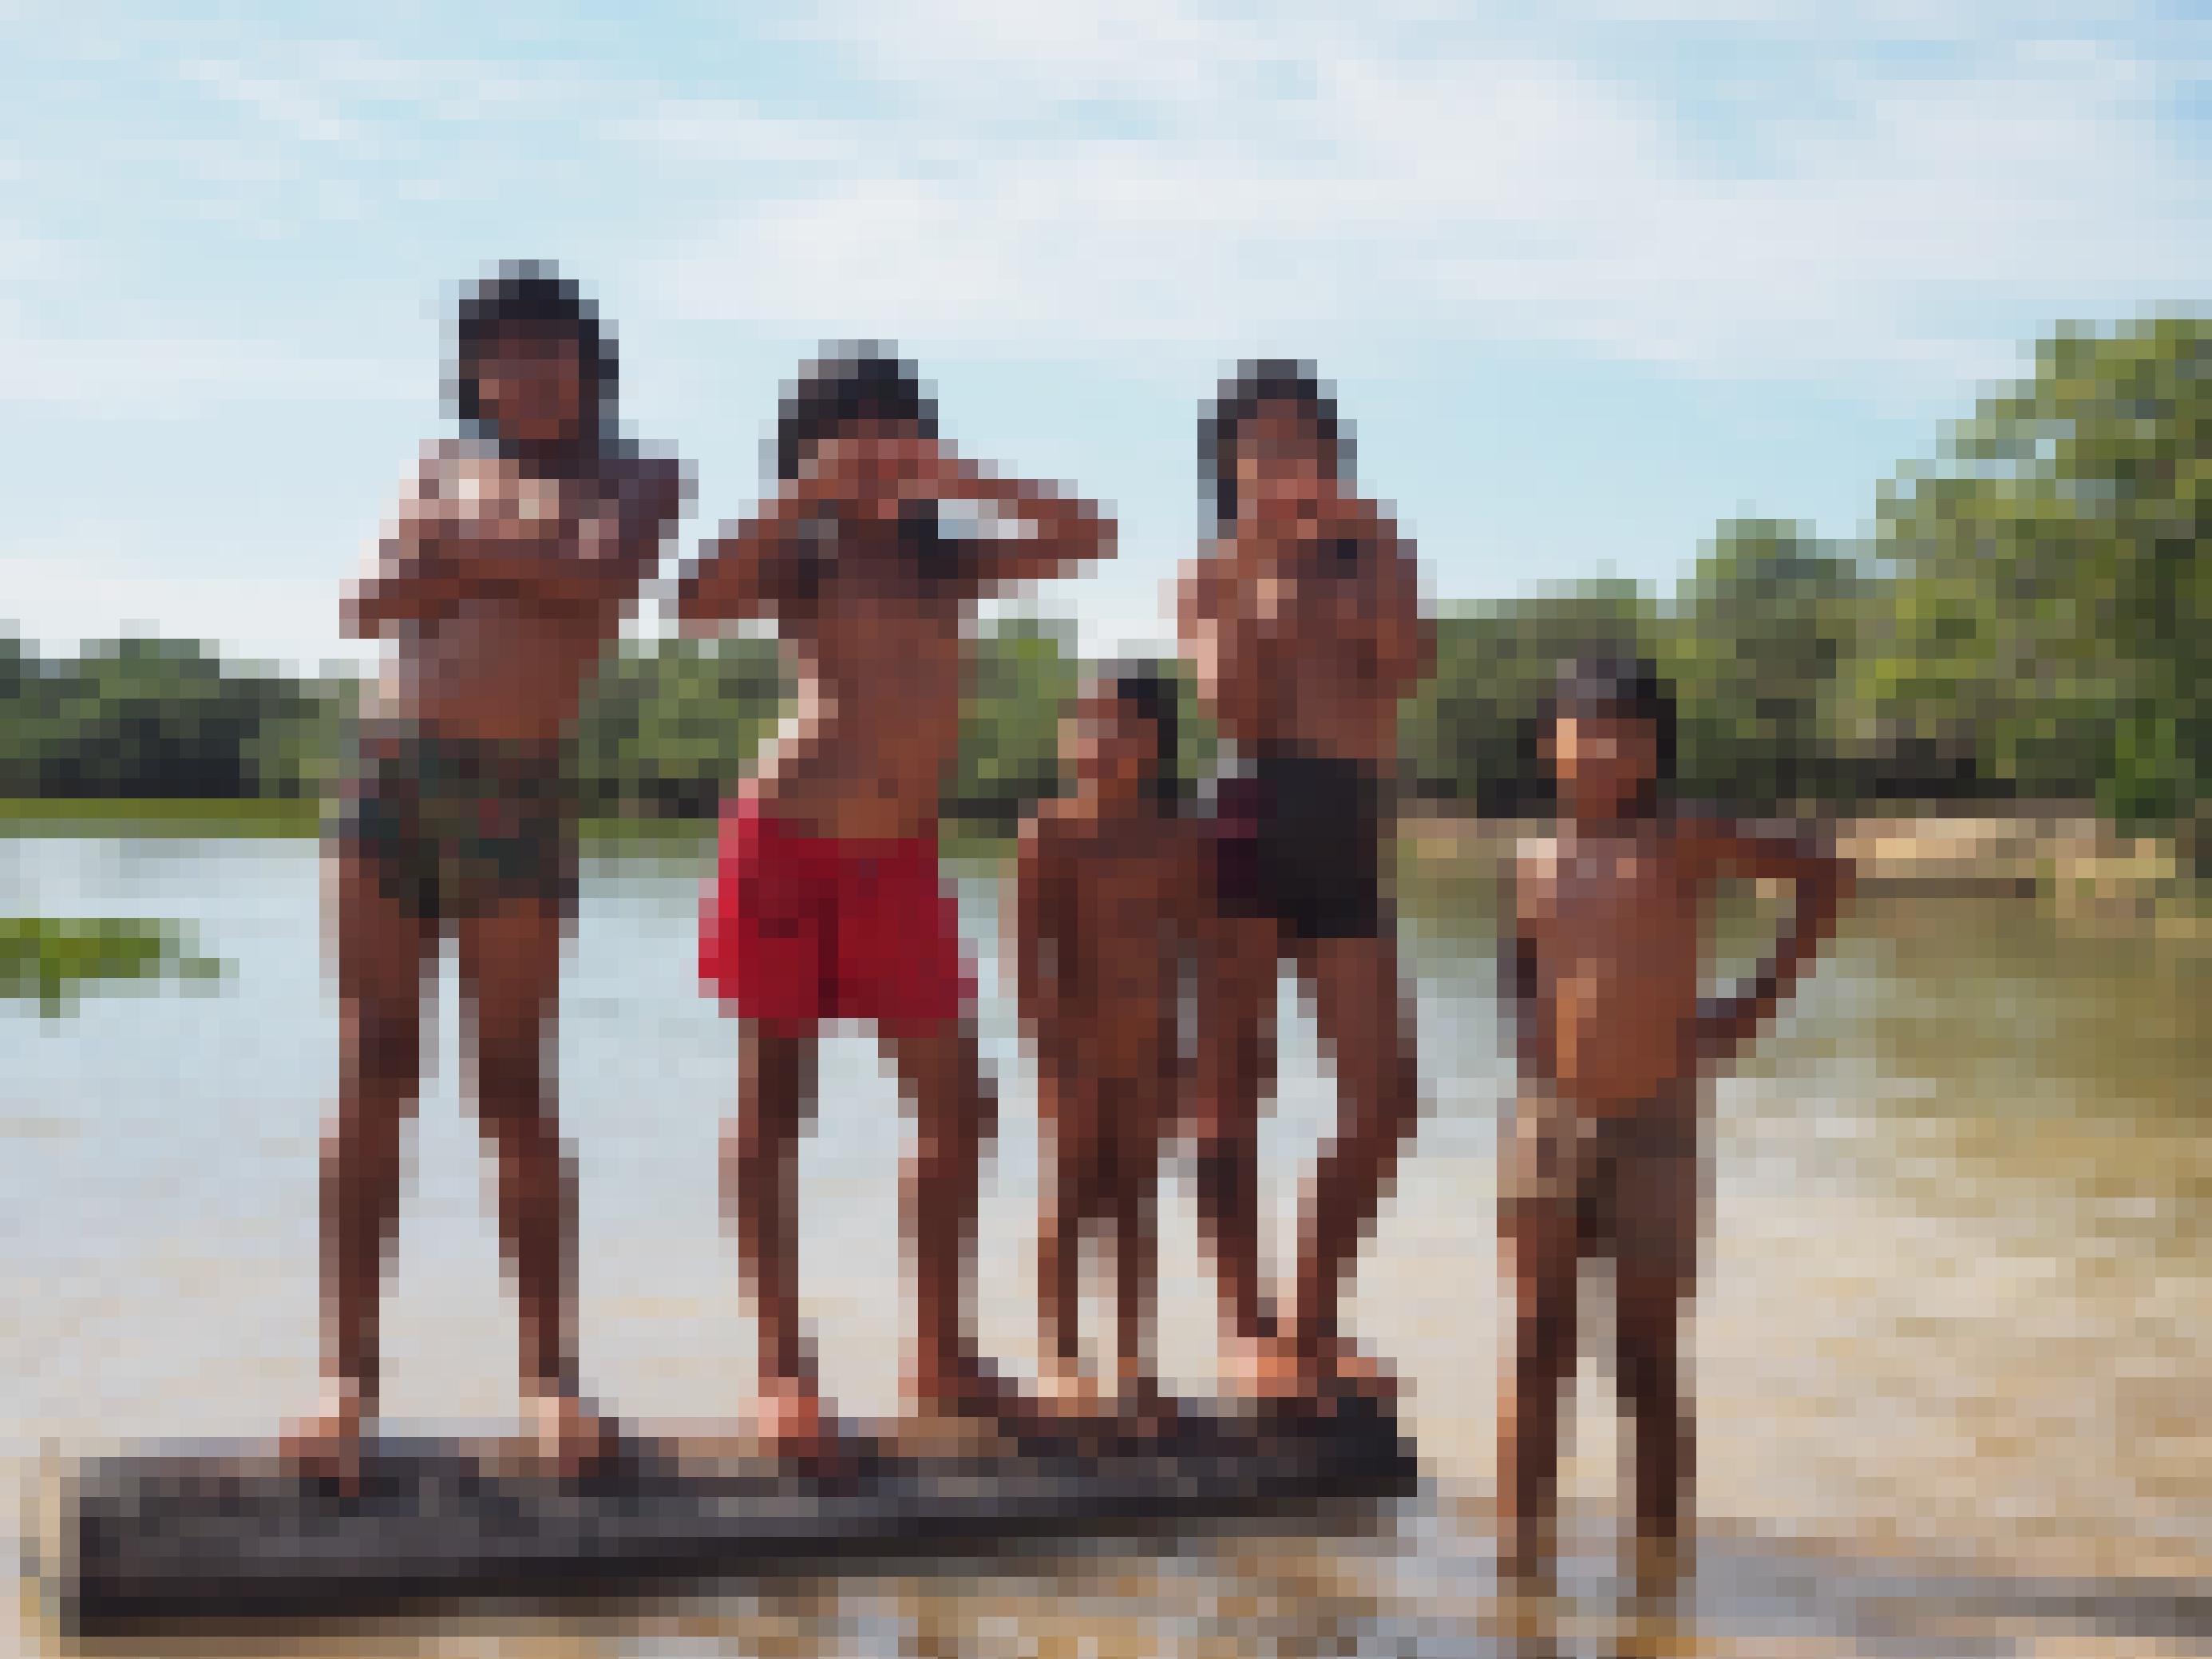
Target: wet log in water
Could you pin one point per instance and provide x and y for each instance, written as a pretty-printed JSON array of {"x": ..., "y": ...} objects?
[{"x": 228, "y": 1535}]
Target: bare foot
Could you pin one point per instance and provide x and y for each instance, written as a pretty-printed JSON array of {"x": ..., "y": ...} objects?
[
  {"x": 790, "y": 1421},
  {"x": 1529, "y": 1552},
  {"x": 1528, "y": 1614},
  {"x": 972, "y": 1392},
  {"x": 1066, "y": 1394},
  {"x": 1338, "y": 1363},
  {"x": 570, "y": 1439},
  {"x": 1664, "y": 1565},
  {"x": 327, "y": 1446},
  {"x": 1265, "y": 1370}
]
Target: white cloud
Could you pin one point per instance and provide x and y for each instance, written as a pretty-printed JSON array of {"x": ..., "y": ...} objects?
[
  {"x": 1311, "y": 180},
  {"x": 163, "y": 377}
]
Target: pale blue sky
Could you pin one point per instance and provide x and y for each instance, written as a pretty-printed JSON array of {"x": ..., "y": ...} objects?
[{"x": 1587, "y": 276}]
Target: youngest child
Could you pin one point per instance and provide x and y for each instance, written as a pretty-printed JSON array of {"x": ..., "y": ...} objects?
[
  {"x": 1607, "y": 1158},
  {"x": 1105, "y": 883}
]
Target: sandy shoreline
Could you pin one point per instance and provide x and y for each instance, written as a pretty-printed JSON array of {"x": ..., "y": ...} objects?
[{"x": 2066, "y": 856}]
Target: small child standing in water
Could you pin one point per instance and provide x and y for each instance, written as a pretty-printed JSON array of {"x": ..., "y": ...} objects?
[
  {"x": 1103, "y": 887},
  {"x": 1604, "y": 1158}
]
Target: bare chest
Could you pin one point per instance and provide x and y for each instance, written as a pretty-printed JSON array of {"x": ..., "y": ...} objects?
[{"x": 1605, "y": 894}]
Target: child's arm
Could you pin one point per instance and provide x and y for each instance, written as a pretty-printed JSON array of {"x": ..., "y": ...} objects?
[
  {"x": 1519, "y": 983},
  {"x": 1063, "y": 530},
  {"x": 1822, "y": 881},
  {"x": 1377, "y": 602},
  {"x": 446, "y": 549},
  {"x": 756, "y": 566},
  {"x": 1230, "y": 634}
]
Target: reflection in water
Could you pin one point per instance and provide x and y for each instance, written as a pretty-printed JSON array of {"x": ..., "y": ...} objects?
[{"x": 1950, "y": 1350}]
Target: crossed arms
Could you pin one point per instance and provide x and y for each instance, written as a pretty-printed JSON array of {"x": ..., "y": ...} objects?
[{"x": 449, "y": 546}]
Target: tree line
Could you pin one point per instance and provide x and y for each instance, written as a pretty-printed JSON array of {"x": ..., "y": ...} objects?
[{"x": 2024, "y": 622}]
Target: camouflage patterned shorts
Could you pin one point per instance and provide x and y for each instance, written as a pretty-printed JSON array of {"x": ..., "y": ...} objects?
[{"x": 456, "y": 826}]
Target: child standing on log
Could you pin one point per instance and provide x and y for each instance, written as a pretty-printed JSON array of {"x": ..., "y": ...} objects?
[
  {"x": 1302, "y": 619},
  {"x": 512, "y": 561},
  {"x": 827, "y": 904},
  {"x": 1105, "y": 886},
  {"x": 1604, "y": 1156}
]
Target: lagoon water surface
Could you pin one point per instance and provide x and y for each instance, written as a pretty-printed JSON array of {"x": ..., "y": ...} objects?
[{"x": 1951, "y": 1354}]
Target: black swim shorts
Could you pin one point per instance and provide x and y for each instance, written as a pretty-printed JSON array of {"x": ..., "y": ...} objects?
[{"x": 1298, "y": 838}]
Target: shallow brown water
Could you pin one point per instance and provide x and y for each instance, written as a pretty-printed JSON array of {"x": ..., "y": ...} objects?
[{"x": 1951, "y": 1350}]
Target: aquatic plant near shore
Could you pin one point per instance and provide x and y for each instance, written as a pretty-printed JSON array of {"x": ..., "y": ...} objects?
[{"x": 52, "y": 959}]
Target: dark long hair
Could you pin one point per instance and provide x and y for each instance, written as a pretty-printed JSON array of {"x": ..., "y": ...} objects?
[
  {"x": 528, "y": 296},
  {"x": 1257, "y": 385}
]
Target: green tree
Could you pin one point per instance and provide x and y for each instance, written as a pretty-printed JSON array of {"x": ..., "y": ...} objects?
[
  {"x": 1763, "y": 632},
  {"x": 1024, "y": 672},
  {"x": 668, "y": 727},
  {"x": 2048, "y": 618},
  {"x": 1467, "y": 733}
]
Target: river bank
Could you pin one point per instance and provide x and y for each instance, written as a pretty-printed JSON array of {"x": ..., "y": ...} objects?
[
  {"x": 2061, "y": 854},
  {"x": 2074, "y": 861}
]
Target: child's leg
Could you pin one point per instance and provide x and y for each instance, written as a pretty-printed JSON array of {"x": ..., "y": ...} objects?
[
  {"x": 1235, "y": 1053},
  {"x": 1648, "y": 1368},
  {"x": 382, "y": 947},
  {"x": 1366, "y": 1031},
  {"x": 1134, "y": 1162},
  {"x": 760, "y": 1174},
  {"x": 1541, "y": 1254},
  {"x": 510, "y": 967},
  {"x": 956, "y": 1115},
  {"x": 1659, "y": 1216},
  {"x": 1069, "y": 1127}
]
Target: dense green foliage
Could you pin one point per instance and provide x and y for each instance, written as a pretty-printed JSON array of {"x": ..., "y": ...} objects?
[
  {"x": 161, "y": 718},
  {"x": 2026, "y": 621},
  {"x": 2048, "y": 615}
]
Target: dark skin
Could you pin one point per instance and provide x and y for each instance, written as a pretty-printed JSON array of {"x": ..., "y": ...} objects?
[
  {"x": 1100, "y": 883},
  {"x": 500, "y": 584},
  {"x": 880, "y": 651},
  {"x": 1604, "y": 964},
  {"x": 1305, "y": 627}
]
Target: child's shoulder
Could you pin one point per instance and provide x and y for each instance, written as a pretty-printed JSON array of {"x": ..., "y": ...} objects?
[{"x": 441, "y": 464}]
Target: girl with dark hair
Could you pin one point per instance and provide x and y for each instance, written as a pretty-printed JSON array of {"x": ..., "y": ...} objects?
[
  {"x": 528, "y": 319},
  {"x": 508, "y": 567},
  {"x": 1302, "y": 619},
  {"x": 1281, "y": 390}
]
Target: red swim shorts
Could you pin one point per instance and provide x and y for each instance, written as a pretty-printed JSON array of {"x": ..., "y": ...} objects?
[{"x": 800, "y": 929}]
